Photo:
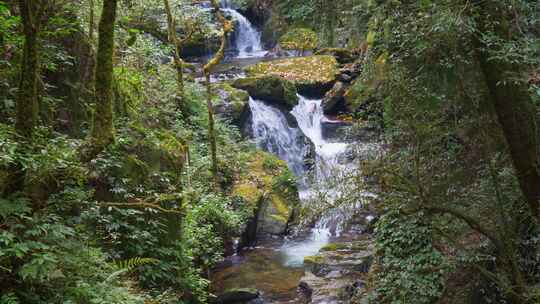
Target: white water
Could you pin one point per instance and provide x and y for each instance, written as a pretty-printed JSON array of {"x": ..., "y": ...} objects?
[
  {"x": 247, "y": 37},
  {"x": 272, "y": 133}
]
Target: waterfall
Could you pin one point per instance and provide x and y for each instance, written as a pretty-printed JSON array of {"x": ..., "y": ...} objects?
[
  {"x": 247, "y": 38},
  {"x": 273, "y": 134}
]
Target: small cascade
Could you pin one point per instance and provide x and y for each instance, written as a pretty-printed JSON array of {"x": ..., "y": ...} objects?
[
  {"x": 272, "y": 133},
  {"x": 247, "y": 38}
]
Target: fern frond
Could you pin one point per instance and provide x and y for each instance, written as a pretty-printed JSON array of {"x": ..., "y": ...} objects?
[
  {"x": 135, "y": 262},
  {"x": 125, "y": 266}
]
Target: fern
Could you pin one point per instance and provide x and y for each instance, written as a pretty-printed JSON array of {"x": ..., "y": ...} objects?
[{"x": 125, "y": 266}]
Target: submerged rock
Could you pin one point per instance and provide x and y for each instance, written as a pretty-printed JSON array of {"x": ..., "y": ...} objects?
[
  {"x": 312, "y": 75},
  {"x": 237, "y": 296},
  {"x": 270, "y": 88}
]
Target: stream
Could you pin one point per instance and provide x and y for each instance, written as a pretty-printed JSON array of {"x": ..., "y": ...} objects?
[{"x": 275, "y": 267}]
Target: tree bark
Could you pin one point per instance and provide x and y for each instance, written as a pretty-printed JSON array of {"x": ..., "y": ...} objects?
[
  {"x": 103, "y": 130},
  {"x": 227, "y": 28},
  {"x": 27, "y": 97},
  {"x": 513, "y": 106}
]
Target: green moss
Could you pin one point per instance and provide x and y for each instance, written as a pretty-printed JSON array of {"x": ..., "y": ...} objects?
[
  {"x": 314, "y": 259},
  {"x": 310, "y": 70},
  {"x": 334, "y": 247},
  {"x": 283, "y": 210},
  {"x": 257, "y": 182},
  {"x": 301, "y": 39},
  {"x": 270, "y": 88}
]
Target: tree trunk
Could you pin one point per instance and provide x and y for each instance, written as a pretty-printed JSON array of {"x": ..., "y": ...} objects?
[
  {"x": 513, "y": 105},
  {"x": 102, "y": 130},
  {"x": 212, "y": 133},
  {"x": 91, "y": 22},
  {"x": 27, "y": 97},
  {"x": 227, "y": 28},
  {"x": 178, "y": 63}
]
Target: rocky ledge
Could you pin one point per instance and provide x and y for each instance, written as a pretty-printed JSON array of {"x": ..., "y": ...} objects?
[{"x": 337, "y": 273}]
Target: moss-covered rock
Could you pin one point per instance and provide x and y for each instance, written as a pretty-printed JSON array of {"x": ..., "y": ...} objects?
[
  {"x": 230, "y": 103},
  {"x": 312, "y": 75},
  {"x": 268, "y": 187},
  {"x": 269, "y": 88},
  {"x": 341, "y": 54}
]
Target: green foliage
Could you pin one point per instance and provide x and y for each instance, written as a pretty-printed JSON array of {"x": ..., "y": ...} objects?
[
  {"x": 301, "y": 39},
  {"x": 208, "y": 225},
  {"x": 53, "y": 256},
  {"x": 413, "y": 271}
]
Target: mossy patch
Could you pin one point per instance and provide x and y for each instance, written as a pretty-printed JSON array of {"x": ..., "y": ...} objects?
[
  {"x": 260, "y": 185},
  {"x": 230, "y": 101},
  {"x": 334, "y": 247},
  {"x": 313, "y": 259},
  {"x": 318, "y": 70},
  {"x": 270, "y": 88}
]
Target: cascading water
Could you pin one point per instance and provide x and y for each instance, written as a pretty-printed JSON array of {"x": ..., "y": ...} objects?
[
  {"x": 247, "y": 38},
  {"x": 272, "y": 133}
]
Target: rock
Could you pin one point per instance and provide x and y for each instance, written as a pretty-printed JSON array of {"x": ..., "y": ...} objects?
[
  {"x": 341, "y": 54},
  {"x": 270, "y": 88},
  {"x": 337, "y": 130},
  {"x": 240, "y": 295},
  {"x": 231, "y": 103},
  {"x": 344, "y": 77},
  {"x": 312, "y": 75},
  {"x": 352, "y": 69},
  {"x": 274, "y": 203},
  {"x": 334, "y": 98},
  {"x": 337, "y": 273}
]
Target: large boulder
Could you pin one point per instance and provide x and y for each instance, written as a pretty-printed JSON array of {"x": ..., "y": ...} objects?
[
  {"x": 270, "y": 88},
  {"x": 230, "y": 103},
  {"x": 267, "y": 185},
  {"x": 312, "y": 75}
]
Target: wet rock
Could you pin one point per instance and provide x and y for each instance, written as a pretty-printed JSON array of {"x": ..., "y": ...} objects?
[
  {"x": 231, "y": 103},
  {"x": 334, "y": 98},
  {"x": 352, "y": 70},
  {"x": 270, "y": 88},
  {"x": 274, "y": 204},
  {"x": 236, "y": 296},
  {"x": 336, "y": 130},
  {"x": 344, "y": 78},
  {"x": 337, "y": 273},
  {"x": 312, "y": 75}
]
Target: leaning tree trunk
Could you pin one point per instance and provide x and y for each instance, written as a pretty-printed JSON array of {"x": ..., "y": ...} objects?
[
  {"x": 27, "y": 97},
  {"x": 227, "y": 28},
  {"x": 178, "y": 63},
  {"x": 513, "y": 105},
  {"x": 102, "y": 130}
]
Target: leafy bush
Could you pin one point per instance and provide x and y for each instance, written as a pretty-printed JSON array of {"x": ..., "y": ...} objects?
[
  {"x": 300, "y": 39},
  {"x": 412, "y": 269}
]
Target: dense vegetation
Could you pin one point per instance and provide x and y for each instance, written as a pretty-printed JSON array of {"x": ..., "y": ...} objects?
[{"x": 118, "y": 184}]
